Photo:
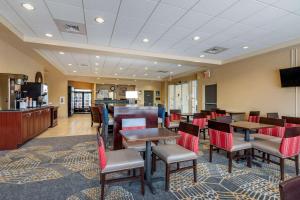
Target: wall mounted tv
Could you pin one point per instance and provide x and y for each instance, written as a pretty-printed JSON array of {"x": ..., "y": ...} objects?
[{"x": 290, "y": 77}]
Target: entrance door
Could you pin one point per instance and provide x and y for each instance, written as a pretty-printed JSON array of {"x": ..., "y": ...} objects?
[
  {"x": 210, "y": 96},
  {"x": 148, "y": 97}
]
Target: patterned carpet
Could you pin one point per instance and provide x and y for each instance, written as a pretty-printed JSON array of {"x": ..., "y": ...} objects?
[{"x": 66, "y": 168}]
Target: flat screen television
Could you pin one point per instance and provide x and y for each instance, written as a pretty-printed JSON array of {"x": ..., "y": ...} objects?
[{"x": 290, "y": 77}]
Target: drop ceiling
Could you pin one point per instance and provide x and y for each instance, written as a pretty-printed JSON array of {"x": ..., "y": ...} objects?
[{"x": 169, "y": 25}]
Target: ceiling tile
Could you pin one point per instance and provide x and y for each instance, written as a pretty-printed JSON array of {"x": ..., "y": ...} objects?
[
  {"x": 137, "y": 9},
  {"x": 186, "y": 4},
  {"x": 215, "y": 26},
  {"x": 77, "y": 3},
  {"x": 110, "y": 6},
  {"x": 291, "y": 5},
  {"x": 214, "y": 7},
  {"x": 193, "y": 20},
  {"x": 242, "y": 10}
]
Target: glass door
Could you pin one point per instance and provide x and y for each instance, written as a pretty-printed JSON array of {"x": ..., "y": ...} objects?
[
  {"x": 78, "y": 97},
  {"x": 87, "y": 101}
]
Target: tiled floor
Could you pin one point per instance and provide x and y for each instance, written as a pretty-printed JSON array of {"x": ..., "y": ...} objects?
[{"x": 78, "y": 124}]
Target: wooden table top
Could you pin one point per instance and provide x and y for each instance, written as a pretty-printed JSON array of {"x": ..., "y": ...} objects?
[
  {"x": 148, "y": 134},
  {"x": 250, "y": 125},
  {"x": 187, "y": 114},
  {"x": 235, "y": 112}
]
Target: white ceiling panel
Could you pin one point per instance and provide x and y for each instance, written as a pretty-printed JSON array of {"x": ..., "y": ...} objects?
[
  {"x": 290, "y": 5},
  {"x": 216, "y": 25},
  {"x": 269, "y": 1},
  {"x": 242, "y": 10},
  {"x": 214, "y": 7},
  {"x": 110, "y": 6},
  {"x": 76, "y": 38},
  {"x": 77, "y": 3},
  {"x": 186, "y": 4},
  {"x": 58, "y": 11},
  {"x": 193, "y": 20},
  {"x": 136, "y": 9}
]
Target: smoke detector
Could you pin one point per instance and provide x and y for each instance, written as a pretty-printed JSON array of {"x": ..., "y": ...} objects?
[
  {"x": 70, "y": 27},
  {"x": 215, "y": 50}
]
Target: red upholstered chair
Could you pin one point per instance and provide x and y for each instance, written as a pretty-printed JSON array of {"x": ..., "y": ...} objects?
[
  {"x": 291, "y": 121},
  {"x": 117, "y": 161},
  {"x": 274, "y": 115},
  {"x": 220, "y": 113},
  {"x": 96, "y": 115},
  {"x": 289, "y": 147},
  {"x": 185, "y": 150},
  {"x": 254, "y": 116},
  {"x": 221, "y": 137},
  {"x": 200, "y": 120},
  {"x": 276, "y": 131},
  {"x": 169, "y": 124},
  {"x": 175, "y": 115},
  {"x": 134, "y": 124}
]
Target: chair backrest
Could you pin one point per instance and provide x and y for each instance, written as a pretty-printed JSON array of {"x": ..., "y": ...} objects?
[
  {"x": 101, "y": 152},
  {"x": 291, "y": 121},
  {"x": 207, "y": 113},
  {"x": 95, "y": 114},
  {"x": 200, "y": 120},
  {"x": 220, "y": 134},
  {"x": 289, "y": 189},
  {"x": 133, "y": 123},
  {"x": 188, "y": 136},
  {"x": 254, "y": 116},
  {"x": 290, "y": 143},
  {"x": 175, "y": 115},
  {"x": 224, "y": 119},
  {"x": 274, "y": 115},
  {"x": 277, "y": 131},
  {"x": 220, "y": 113}
]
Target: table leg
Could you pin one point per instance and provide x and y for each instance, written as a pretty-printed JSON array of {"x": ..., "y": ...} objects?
[
  {"x": 247, "y": 135},
  {"x": 187, "y": 118},
  {"x": 148, "y": 166}
]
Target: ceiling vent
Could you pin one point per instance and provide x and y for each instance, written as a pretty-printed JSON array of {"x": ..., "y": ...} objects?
[
  {"x": 164, "y": 72},
  {"x": 70, "y": 27},
  {"x": 215, "y": 50}
]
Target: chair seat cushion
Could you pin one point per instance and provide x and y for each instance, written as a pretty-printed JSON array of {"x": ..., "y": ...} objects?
[
  {"x": 122, "y": 160},
  {"x": 174, "y": 124},
  {"x": 240, "y": 144},
  {"x": 173, "y": 153},
  {"x": 267, "y": 137},
  {"x": 137, "y": 146},
  {"x": 267, "y": 146}
]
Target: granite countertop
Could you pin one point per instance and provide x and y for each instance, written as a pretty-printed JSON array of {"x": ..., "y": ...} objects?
[{"x": 26, "y": 109}]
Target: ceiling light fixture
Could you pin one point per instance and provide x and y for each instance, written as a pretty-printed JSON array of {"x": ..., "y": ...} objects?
[
  {"x": 96, "y": 64},
  {"x": 134, "y": 80},
  {"x": 155, "y": 62},
  {"x": 48, "y": 35},
  {"x": 133, "y": 75},
  {"x": 145, "y": 40},
  {"x": 70, "y": 64},
  {"x": 28, "y": 6},
  {"x": 196, "y": 38},
  {"x": 61, "y": 53},
  {"x": 146, "y": 68},
  {"x": 202, "y": 56},
  {"x": 100, "y": 20},
  {"x": 245, "y": 47},
  {"x": 179, "y": 65},
  {"x": 171, "y": 72},
  {"x": 97, "y": 57},
  {"x": 74, "y": 71},
  {"x": 121, "y": 68},
  {"x": 146, "y": 74},
  {"x": 98, "y": 78},
  {"x": 116, "y": 74}
]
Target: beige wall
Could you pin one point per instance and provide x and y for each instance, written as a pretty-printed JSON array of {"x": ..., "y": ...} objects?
[{"x": 254, "y": 84}]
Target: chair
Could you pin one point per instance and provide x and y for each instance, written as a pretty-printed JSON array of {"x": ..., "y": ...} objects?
[
  {"x": 207, "y": 113},
  {"x": 117, "y": 161},
  {"x": 134, "y": 124},
  {"x": 200, "y": 120},
  {"x": 185, "y": 150},
  {"x": 254, "y": 116},
  {"x": 289, "y": 189},
  {"x": 274, "y": 115},
  {"x": 288, "y": 148},
  {"x": 169, "y": 124},
  {"x": 220, "y": 113},
  {"x": 291, "y": 121},
  {"x": 221, "y": 137},
  {"x": 95, "y": 115},
  {"x": 224, "y": 119},
  {"x": 175, "y": 115}
]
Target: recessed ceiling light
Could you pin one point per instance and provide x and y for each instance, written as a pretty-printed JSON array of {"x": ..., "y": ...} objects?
[
  {"x": 100, "y": 20},
  {"x": 146, "y": 74},
  {"x": 179, "y": 65},
  {"x": 245, "y": 47},
  {"x": 145, "y": 40},
  {"x": 171, "y": 72},
  {"x": 202, "y": 56},
  {"x": 158, "y": 77},
  {"x": 118, "y": 79},
  {"x": 98, "y": 78},
  {"x": 96, "y": 64},
  {"x": 146, "y": 68},
  {"x": 134, "y": 80},
  {"x": 116, "y": 74},
  {"x": 28, "y": 6},
  {"x": 61, "y": 53},
  {"x": 97, "y": 56},
  {"x": 48, "y": 35},
  {"x": 70, "y": 64},
  {"x": 96, "y": 68},
  {"x": 196, "y": 38},
  {"x": 121, "y": 68},
  {"x": 155, "y": 62},
  {"x": 74, "y": 71}
]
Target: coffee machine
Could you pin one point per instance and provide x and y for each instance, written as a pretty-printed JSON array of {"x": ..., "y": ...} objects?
[{"x": 37, "y": 91}]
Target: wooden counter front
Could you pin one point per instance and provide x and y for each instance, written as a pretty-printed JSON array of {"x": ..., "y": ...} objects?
[{"x": 17, "y": 127}]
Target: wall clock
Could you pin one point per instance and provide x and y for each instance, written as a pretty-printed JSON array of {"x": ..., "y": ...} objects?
[{"x": 112, "y": 88}]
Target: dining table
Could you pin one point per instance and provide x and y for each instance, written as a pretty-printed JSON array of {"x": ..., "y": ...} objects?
[
  {"x": 148, "y": 135},
  {"x": 187, "y": 115},
  {"x": 249, "y": 126},
  {"x": 236, "y": 115}
]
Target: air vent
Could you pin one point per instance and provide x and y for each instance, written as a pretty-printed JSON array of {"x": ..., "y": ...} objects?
[
  {"x": 70, "y": 27},
  {"x": 215, "y": 50},
  {"x": 164, "y": 72}
]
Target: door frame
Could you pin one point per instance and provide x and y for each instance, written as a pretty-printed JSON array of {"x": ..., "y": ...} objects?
[{"x": 203, "y": 94}]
